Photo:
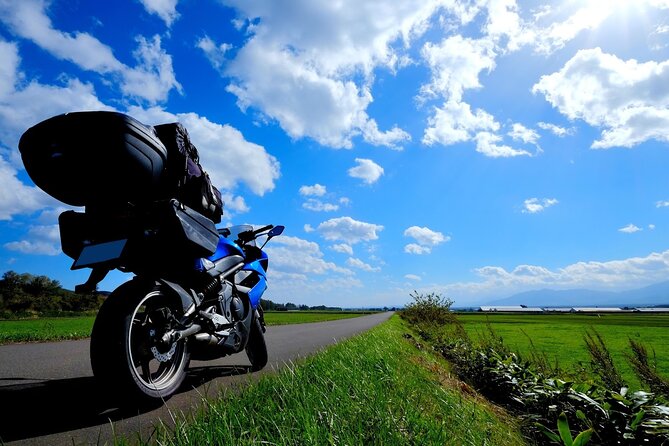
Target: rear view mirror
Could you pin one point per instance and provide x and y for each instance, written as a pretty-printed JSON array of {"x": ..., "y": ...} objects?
[{"x": 276, "y": 230}]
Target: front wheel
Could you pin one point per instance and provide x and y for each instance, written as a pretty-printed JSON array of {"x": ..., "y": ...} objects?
[
  {"x": 127, "y": 355},
  {"x": 256, "y": 349}
]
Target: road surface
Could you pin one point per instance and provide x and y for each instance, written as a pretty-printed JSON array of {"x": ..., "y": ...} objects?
[{"x": 48, "y": 395}]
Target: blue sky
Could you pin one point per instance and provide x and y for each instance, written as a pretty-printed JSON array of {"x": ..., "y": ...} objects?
[{"x": 476, "y": 149}]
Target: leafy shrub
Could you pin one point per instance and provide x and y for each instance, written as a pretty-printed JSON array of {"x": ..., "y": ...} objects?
[{"x": 594, "y": 413}]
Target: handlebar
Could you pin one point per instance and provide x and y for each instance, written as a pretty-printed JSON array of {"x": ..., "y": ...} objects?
[{"x": 247, "y": 236}]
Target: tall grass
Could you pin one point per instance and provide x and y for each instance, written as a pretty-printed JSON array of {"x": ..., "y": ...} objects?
[{"x": 376, "y": 388}]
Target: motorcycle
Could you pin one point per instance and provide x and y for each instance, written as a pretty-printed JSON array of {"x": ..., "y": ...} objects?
[{"x": 197, "y": 289}]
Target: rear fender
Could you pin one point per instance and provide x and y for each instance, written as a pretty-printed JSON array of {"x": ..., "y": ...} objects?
[{"x": 188, "y": 300}]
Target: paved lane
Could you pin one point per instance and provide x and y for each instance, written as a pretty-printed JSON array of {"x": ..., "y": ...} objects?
[{"x": 48, "y": 395}]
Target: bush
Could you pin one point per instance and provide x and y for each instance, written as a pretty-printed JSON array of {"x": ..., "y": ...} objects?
[{"x": 429, "y": 308}]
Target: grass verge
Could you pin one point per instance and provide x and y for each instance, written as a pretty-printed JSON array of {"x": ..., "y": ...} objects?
[
  {"x": 64, "y": 328},
  {"x": 376, "y": 388}
]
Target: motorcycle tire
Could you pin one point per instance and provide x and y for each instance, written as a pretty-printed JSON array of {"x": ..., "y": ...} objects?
[
  {"x": 256, "y": 348},
  {"x": 127, "y": 361}
]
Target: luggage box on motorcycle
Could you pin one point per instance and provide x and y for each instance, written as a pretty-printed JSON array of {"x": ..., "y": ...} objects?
[{"x": 86, "y": 158}]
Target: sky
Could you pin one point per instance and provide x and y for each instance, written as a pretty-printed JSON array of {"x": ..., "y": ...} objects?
[{"x": 475, "y": 149}]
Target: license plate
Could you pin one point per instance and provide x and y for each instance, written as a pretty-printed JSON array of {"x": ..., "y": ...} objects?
[{"x": 100, "y": 253}]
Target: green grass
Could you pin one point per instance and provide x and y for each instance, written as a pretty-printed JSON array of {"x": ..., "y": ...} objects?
[
  {"x": 300, "y": 317},
  {"x": 560, "y": 336},
  {"x": 45, "y": 329},
  {"x": 376, "y": 388},
  {"x": 61, "y": 328}
]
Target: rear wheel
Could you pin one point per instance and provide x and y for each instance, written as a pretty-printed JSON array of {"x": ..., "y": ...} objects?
[
  {"x": 128, "y": 356},
  {"x": 256, "y": 349}
]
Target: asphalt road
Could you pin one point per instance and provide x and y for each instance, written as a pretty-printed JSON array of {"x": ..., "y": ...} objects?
[{"x": 48, "y": 395}]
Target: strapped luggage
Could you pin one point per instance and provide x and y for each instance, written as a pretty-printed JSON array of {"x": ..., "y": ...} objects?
[{"x": 188, "y": 181}]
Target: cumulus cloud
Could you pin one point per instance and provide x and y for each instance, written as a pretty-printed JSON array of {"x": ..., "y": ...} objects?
[
  {"x": 455, "y": 122},
  {"x": 151, "y": 79},
  {"x": 216, "y": 53},
  {"x": 315, "y": 205},
  {"x": 627, "y": 99},
  {"x": 316, "y": 190},
  {"x": 165, "y": 9},
  {"x": 343, "y": 248},
  {"x": 349, "y": 230},
  {"x": 630, "y": 229},
  {"x": 413, "y": 277},
  {"x": 23, "y": 102},
  {"x": 323, "y": 56},
  {"x": 627, "y": 273},
  {"x": 555, "y": 129},
  {"x": 535, "y": 205},
  {"x": 367, "y": 170},
  {"x": 425, "y": 237},
  {"x": 42, "y": 240},
  {"x": 308, "y": 228},
  {"x": 521, "y": 133},
  {"x": 359, "y": 264},
  {"x": 662, "y": 204},
  {"x": 228, "y": 157},
  {"x": 17, "y": 198},
  {"x": 487, "y": 144},
  {"x": 298, "y": 256}
]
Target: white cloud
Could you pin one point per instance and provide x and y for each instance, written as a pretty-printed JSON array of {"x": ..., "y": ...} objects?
[
  {"x": 630, "y": 229},
  {"x": 42, "y": 240},
  {"x": 215, "y": 53},
  {"x": 414, "y": 248},
  {"x": 651, "y": 227},
  {"x": 628, "y": 273},
  {"x": 455, "y": 64},
  {"x": 521, "y": 133},
  {"x": 226, "y": 155},
  {"x": 555, "y": 129},
  {"x": 17, "y": 198},
  {"x": 359, "y": 264},
  {"x": 662, "y": 204},
  {"x": 486, "y": 143},
  {"x": 316, "y": 190},
  {"x": 152, "y": 79},
  {"x": 349, "y": 230},
  {"x": 413, "y": 277},
  {"x": 367, "y": 170},
  {"x": 315, "y": 205},
  {"x": 557, "y": 34},
  {"x": 454, "y": 122},
  {"x": 343, "y": 248},
  {"x": 535, "y": 205},
  {"x": 297, "y": 256},
  {"x": 628, "y": 100},
  {"x": 24, "y": 103},
  {"x": 234, "y": 203},
  {"x": 426, "y": 236},
  {"x": 323, "y": 55},
  {"x": 308, "y": 228},
  {"x": 165, "y": 9}
]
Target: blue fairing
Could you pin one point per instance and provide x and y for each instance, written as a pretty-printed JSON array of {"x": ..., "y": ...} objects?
[
  {"x": 257, "y": 291},
  {"x": 225, "y": 248}
]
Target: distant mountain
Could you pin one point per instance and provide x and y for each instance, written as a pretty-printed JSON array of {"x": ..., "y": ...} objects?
[{"x": 653, "y": 295}]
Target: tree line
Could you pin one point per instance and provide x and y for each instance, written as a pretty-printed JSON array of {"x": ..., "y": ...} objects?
[{"x": 24, "y": 295}]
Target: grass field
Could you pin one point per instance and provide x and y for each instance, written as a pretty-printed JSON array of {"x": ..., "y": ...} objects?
[
  {"x": 560, "y": 336},
  {"x": 62, "y": 328},
  {"x": 376, "y": 388}
]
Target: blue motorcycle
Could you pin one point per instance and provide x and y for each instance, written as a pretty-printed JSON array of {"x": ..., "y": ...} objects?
[{"x": 196, "y": 291}]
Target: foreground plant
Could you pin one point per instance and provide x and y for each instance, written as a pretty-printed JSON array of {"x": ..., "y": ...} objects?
[{"x": 585, "y": 412}]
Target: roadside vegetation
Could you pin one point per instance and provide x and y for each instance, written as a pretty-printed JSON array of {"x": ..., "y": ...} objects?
[
  {"x": 381, "y": 387},
  {"x": 560, "y": 338},
  {"x": 555, "y": 407}
]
